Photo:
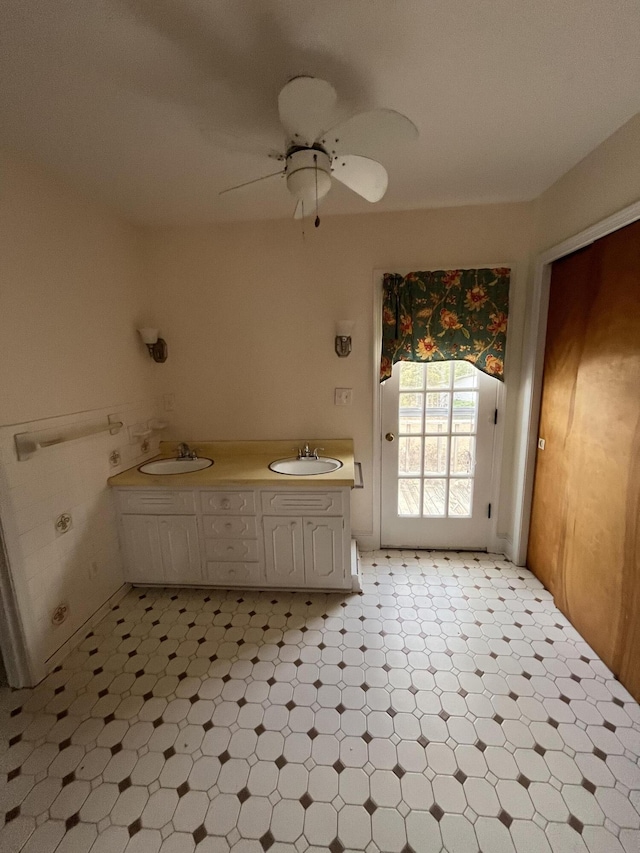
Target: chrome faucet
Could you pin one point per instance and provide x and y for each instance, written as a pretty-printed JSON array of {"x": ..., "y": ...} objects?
[
  {"x": 306, "y": 453},
  {"x": 185, "y": 453}
]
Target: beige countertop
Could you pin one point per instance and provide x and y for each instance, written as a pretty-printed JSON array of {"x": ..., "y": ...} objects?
[{"x": 238, "y": 463}]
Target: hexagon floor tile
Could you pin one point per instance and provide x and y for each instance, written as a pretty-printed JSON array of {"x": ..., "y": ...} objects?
[{"x": 448, "y": 707}]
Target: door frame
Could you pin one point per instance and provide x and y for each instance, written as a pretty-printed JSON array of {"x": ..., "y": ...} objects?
[
  {"x": 372, "y": 541},
  {"x": 21, "y": 669},
  {"x": 533, "y": 363}
]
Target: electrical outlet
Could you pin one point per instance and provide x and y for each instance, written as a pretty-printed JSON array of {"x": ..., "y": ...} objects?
[
  {"x": 144, "y": 447},
  {"x": 541, "y": 443},
  {"x": 169, "y": 402},
  {"x": 114, "y": 458},
  {"x": 343, "y": 396}
]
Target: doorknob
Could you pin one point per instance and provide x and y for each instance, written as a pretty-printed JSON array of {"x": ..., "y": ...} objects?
[{"x": 390, "y": 436}]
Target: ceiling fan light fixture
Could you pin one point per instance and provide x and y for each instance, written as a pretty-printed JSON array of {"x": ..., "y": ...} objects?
[
  {"x": 306, "y": 106},
  {"x": 307, "y": 169}
]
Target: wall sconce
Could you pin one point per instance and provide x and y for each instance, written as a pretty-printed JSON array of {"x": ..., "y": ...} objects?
[
  {"x": 344, "y": 328},
  {"x": 156, "y": 345}
]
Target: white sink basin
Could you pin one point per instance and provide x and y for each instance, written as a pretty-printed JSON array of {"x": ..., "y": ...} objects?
[
  {"x": 304, "y": 467},
  {"x": 175, "y": 466}
]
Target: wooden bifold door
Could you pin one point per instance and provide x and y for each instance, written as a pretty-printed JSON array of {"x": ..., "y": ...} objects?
[{"x": 585, "y": 530}]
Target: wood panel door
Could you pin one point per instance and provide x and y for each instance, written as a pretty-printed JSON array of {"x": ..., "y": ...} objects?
[{"x": 585, "y": 529}]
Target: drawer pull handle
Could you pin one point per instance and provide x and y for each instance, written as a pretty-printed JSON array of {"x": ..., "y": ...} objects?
[
  {"x": 229, "y": 547},
  {"x": 293, "y": 525},
  {"x": 225, "y": 503},
  {"x": 228, "y": 525}
]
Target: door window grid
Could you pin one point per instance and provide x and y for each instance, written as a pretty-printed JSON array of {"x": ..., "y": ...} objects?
[{"x": 438, "y": 412}]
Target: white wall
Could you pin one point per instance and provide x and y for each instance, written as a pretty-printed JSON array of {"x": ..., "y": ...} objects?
[
  {"x": 72, "y": 296},
  {"x": 607, "y": 180},
  {"x": 249, "y": 309},
  {"x": 71, "y": 300}
]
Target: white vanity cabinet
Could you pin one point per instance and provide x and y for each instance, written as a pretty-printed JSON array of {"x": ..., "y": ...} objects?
[
  {"x": 305, "y": 552},
  {"x": 161, "y": 549},
  {"x": 305, "y": 537},
  {"x": 296, "y": 538},
  {"x": 231, "y": 545}
]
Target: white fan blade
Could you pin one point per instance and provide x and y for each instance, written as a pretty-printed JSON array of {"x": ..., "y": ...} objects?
[
  {"x": 366, "y": 177},
  {"x": 254, "y": 181},
  {"x": 375, "y": 132},
  {"x": 305, "y": 105}
]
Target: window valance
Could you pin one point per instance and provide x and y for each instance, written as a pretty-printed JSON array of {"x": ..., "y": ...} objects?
[{"x": 445, "y": 315}]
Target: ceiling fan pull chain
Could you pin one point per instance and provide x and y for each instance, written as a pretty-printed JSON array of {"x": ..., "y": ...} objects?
[{"x": 315, "y": 160}]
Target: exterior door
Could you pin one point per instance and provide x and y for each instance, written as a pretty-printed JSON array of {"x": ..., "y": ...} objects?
[{"x": 438, "y": 424}]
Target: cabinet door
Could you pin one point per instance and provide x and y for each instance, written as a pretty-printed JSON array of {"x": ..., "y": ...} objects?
[
  {"x": 142, "y": 551},
  {"x": 284, "y": 551},
  {"x": 323, "y": 552},
  {"x": 180, "y": 549}
]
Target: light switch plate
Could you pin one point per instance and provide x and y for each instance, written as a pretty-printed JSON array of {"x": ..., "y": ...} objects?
[
  {"x": 343, "y": 396},
  {"x": 541, "y": 443}
]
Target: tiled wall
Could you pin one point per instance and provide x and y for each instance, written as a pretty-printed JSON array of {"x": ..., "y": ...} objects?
[{"x": 81, "y": 568}]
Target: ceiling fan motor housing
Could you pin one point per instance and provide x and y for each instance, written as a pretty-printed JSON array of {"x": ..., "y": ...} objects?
[{"x": 308, "y": 174}]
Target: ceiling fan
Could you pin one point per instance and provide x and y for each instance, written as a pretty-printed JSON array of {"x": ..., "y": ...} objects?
[{"x": 314, "y": 155}]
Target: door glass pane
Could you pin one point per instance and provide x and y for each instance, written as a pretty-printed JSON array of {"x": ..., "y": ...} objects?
[
  {"x": 434, "y": 501},
  {"x": 436, "y": 446},
  {"x": 410, "y": 413},
  {"x": 411, "y": 375},
  {"x": 409, "y": 451},
  {"x": 465, "y": 409},
  {"x": 437, "y": 412},
  {"x": 462, "y": 454},
  {"x": 439, "y": 375},
  {"x": 460, "y": 497},
  {"x": 465, "y": 375},
  {"x": 409, "y": 497},
  {"x": 435, "y": 455}
]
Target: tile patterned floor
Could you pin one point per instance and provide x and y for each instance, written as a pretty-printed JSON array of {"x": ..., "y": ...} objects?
[{"x": 449, "y": 706}]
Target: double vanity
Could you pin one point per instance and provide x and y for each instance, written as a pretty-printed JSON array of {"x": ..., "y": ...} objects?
[{"x": 226, "y": 518}]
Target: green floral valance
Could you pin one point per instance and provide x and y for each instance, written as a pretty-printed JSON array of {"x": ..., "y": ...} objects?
[{"x": 446, "y": 315}]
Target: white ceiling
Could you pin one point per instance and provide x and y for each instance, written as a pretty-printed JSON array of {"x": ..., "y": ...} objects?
[{"x": 157, "y": 105}]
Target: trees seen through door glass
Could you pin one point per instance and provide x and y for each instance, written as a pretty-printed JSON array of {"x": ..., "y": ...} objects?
[{"x": 437, "y": 423}]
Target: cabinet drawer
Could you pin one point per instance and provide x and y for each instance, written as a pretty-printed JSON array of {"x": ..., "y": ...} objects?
[
  {"x": 245, "y": 574},
  {"x": 229, "y": 527},
  {"x": 228, "y": 503},
  {"x": 231, "y": 549},
  {"x": 156, "y": 502},
  {"x": 309, "y": 502}
]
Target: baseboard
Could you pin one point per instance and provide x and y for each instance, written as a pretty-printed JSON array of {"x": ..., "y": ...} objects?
[
  {"x": 367, "y": 541},
  {"x": 504, "y": 545},
  {"x": 79, "y": 635}
]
